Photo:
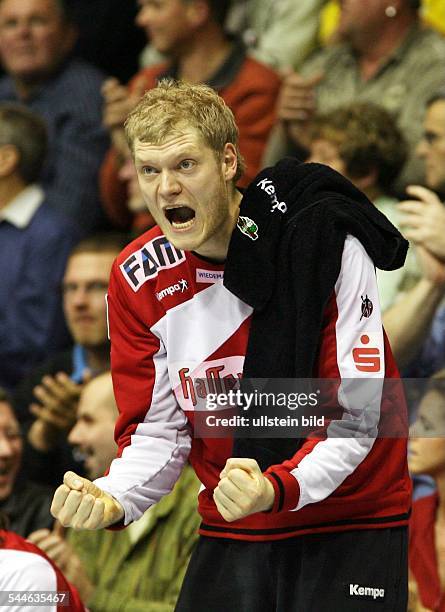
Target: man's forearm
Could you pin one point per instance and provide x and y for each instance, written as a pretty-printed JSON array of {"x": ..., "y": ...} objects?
[{"x": 408, "y": 321}]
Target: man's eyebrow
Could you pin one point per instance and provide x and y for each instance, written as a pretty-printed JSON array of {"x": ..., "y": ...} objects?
[{"x": 179, "y": 154}]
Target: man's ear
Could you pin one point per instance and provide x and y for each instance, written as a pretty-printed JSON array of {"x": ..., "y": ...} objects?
[
  {"x": 9, "y": 160},
  {"x": 229, "y": 162},
  {"x": 198, "y": 12}
]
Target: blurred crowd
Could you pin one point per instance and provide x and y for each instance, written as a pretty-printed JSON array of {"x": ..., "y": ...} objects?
[{"x": 358, "y": 86}]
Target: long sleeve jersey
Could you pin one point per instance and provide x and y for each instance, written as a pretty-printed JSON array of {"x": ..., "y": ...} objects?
[{"x": 172, "y": 325}]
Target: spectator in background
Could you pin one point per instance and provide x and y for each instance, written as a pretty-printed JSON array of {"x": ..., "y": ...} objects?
[
  {"x": 362, "y": 142},
  {"x": 25, "y": 503},
  {"x": 34, "y": 245},
  {"x": 427, "y": 527},
  {"x": 142, "y": 567},
  {"x": 191, "y": 34},
  {"x": 36, "y": 39},
  {"x": 52, "y": 391},
  {"x": 385, "y": 57},
  {"x": 416, "y": 323},
  {"x": 280, "y": 34}
]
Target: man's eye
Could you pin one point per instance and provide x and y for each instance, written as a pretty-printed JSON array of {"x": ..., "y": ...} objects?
[
  {"x": 431, "y": 137},
  {"x": 148, "y": 170},
  {"x": 8, "y": 24},
  {"x": 187, "y": 164}
]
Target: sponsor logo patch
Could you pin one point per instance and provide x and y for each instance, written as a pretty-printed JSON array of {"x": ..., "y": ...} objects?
[
  {"x": 367, "y": 307},
  {"x": 209, "y": 276},
  {"x": 181, "y": 286},
  {"x": 248, "y": 227},
  {"x": 366, "y": 358},
  {"x": 365, "y": 592},
  {"x": 145, "y": 263}
]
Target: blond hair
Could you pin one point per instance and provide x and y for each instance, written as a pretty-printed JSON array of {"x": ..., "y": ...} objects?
[{"x": 174, "y": 106}]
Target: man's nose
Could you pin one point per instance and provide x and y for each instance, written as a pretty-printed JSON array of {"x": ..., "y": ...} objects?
[
  {"x": 169, "y": 184},
  {"x": 422, "y": 148},
  {"x": 80, "y": 296},
  {"x": 23, "y": 28},
  {"x": 75, "y": 435},
  {"x": 143, "y": 19},
  {"x": 5, "y": 447}
]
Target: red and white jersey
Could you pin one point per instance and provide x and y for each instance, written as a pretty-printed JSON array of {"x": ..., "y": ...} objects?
[
  {"x": 26, "y": 569},
  {"x": 172, "y": 322}
]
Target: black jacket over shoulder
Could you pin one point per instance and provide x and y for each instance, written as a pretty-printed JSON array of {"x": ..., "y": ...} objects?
[{"x": 284, "y": 260}]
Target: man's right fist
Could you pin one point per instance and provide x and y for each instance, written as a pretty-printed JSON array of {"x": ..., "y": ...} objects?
[{"x": 80, "y": 504}]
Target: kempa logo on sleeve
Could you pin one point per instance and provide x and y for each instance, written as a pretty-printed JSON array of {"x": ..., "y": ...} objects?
[
  {"x": 209, "y": 276},
  {"x": 355, "y": 590},
  {"x": 267, "y": 186},
  {"x": 181, "y": 286}
]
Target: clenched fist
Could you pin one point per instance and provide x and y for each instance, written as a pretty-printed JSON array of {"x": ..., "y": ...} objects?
[
  {"x": 80, "y": 504},
  {"x": 242, "y": 490}
]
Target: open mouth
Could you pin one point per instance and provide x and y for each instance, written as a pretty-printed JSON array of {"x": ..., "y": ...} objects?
[{"x": 180, "y": 217}]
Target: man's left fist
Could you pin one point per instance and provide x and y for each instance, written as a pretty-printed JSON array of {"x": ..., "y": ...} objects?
[{"x": 242, "y": 490}]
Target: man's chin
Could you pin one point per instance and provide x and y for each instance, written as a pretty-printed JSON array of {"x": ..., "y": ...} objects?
[{"x": 184, "y": 241}]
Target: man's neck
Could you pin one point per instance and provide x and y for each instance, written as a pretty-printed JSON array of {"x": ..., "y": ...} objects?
[
  {"x": 203, "y": 55},
  {"x": 9, "y": 189},
  {"x": 375, "y": 48},
  {"x": 98, "y": 357}
]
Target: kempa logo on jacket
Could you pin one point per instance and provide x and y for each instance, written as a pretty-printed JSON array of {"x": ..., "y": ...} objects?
[
  {"x": 355, "y": 590},
  {"x": 267, "y": 186}
]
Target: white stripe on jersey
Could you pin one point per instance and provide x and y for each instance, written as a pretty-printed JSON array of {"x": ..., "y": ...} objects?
[
  {"x": 350, "y": 439},
  {"x": 195, "y": 329},
  {"x": 134, "y": 478}
]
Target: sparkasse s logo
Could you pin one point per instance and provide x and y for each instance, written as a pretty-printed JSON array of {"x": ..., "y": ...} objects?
[{"x": 366, "y": 359}]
